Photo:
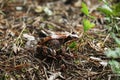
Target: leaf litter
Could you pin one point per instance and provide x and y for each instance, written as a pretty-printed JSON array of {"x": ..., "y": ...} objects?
[{"x": 45, "y": 40}]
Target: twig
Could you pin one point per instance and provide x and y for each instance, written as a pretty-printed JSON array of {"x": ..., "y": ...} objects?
[
  {"x": 45, "y": 73},
  {"x": 24, "y": 26},
  {"x": 71, "y": 64},
  {"x": 54, "y": 76},
  {"x": 106, "y": 39}
]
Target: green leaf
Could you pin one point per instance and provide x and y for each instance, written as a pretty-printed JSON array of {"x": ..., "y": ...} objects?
[
  {"x": 115, "y": 38},
  {"x": 116, "y": 9},
  {"x": 113, "y": 53},
  {"x": 115, "y": 66},
  {"x": 87, "y": 25},
  {"x": 84, "y": 9},
  {"x": 105, "y": 9},
  {"x": 73, "y": 45}
]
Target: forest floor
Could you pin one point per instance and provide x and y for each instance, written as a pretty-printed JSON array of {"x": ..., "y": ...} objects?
[{"x": 46, "y": 41}]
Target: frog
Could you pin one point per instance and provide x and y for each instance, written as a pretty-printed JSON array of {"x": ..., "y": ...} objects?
[{"x": 52, "y": 46}]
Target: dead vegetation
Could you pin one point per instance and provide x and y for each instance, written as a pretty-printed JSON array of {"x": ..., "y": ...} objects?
[{"x": 44, "y": 40}]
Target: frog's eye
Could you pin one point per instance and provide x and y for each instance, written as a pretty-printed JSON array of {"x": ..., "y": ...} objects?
[{"x": 42, "y": 33}]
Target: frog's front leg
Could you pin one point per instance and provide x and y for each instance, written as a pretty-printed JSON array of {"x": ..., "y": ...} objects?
[{"x": 45, "y": 52}]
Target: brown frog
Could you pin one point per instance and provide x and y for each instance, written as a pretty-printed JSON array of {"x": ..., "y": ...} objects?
[{"x": 52, "y": 46}]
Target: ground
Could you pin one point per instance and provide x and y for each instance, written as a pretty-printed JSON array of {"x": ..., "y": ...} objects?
[{"x": 45, "y": 40}]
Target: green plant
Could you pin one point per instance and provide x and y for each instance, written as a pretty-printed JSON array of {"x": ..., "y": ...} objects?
[
  {"x": 117, "y": 40},
  {"x": 115, "y": 66},
  {"x": 84, "y": 9},
  {"x": 114, "y": 54},
  {"x": 111, "y": 12},
  {"x": 73, "y": 45},
  {"x": 87, "y": 25},
  {"x": 86, "y": 22},
  {"x": 105, "y": 9}
]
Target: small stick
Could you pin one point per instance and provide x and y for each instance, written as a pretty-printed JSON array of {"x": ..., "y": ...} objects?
[{"x": 54, "y": 76}]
